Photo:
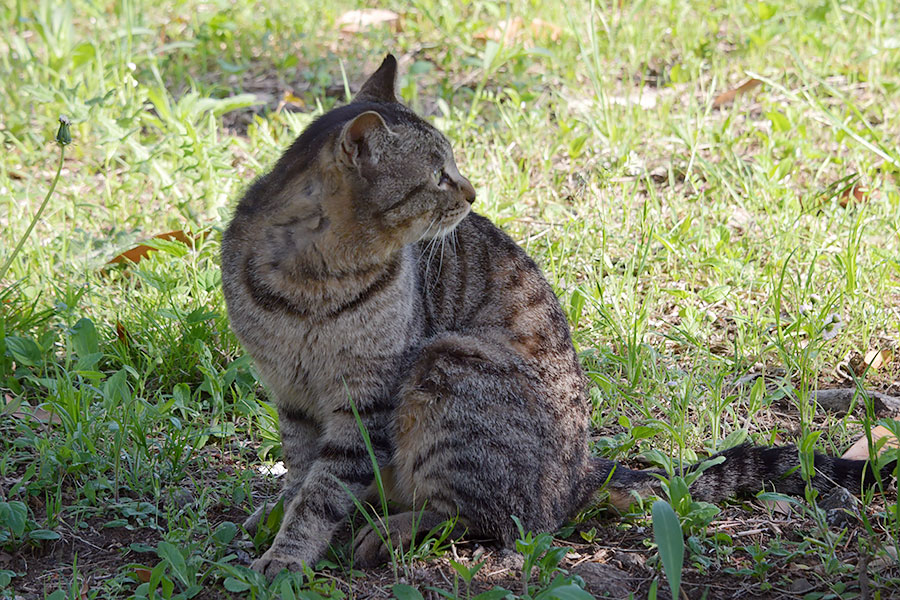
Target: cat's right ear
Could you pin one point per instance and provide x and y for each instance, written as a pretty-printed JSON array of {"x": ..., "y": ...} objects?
[
  {"x": 380, "y": 86},
  {"x": 357, "y": 141}
]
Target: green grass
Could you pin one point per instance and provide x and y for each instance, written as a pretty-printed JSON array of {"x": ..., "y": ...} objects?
[{"x": 690, "y": 246}]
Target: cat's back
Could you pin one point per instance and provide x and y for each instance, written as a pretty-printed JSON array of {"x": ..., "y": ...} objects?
[{"x": 479, "y": 277}]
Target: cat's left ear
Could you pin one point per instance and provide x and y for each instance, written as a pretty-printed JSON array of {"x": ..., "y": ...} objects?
[
  {"x": 380, "y": 86},
  {"x": 358, "y": 139}
]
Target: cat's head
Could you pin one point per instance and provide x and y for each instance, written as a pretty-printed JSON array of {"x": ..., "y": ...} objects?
[{"x": 391, "y": 176}]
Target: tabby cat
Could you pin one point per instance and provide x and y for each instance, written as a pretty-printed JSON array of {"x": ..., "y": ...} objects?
[{"x": 356, "y": 274}]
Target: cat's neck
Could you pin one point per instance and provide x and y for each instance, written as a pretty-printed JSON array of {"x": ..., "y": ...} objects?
[{"x": 311, "y": 248}]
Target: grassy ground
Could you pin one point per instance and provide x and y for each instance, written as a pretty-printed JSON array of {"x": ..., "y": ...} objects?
[{"x": 718, "y": 265}]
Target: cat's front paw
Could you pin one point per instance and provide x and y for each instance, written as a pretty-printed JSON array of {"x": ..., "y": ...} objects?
[{"x": 272, "y": 562}]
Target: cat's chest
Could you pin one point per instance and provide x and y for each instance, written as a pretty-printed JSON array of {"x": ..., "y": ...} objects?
[{"x": 313, "y": 364}]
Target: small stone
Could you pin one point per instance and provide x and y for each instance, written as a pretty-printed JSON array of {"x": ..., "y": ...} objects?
[
  {"x": 840, "y": 508},
  {"x": 659, "y": 174},
  {"x": 801, "y": 586},
  {"x": 182, "y": 497},
  {"x": 276, "y": 470},
  {"x": 605, "y": 581},
  {"x": 631, "y": 561},
  {"x": 511, "y": 560}
]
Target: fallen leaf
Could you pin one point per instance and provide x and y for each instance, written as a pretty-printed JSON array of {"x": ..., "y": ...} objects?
[
  {"x": 513, "y": 30},
  {"x": 540, "y": 26},
  {"x": 860, "y": 449},
  {"x": 141, "y": 251},
  {"x": 355, "y": 21},
  {"x": 729, "y": 96},
  {"x": 801, "y": 586},
  {"x": 873, "y": 360},
  {"x": 876, "y": 359},
  {"x": 85, "y": 588},
  {"x": 779, "y": 507},
  {"x": 291, "y": 99},
  {"x": 854, "y": 194},
  {"x": 506, "y": 31},
  {"x": 888, "y": 560},
  {"x": 10, "y": 404},
  {"x": 122, "y": 333},
  {"x": 38, "y": 414},
  {"x": 143, "y": 574},
  {"x": 839, "y": 400}
]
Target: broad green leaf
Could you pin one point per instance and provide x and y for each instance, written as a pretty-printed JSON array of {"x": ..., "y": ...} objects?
[
  {"x": 225, "y": 532},
  {"x": 170, "y": 553},
  {"x": 233, "y": 585},
  {"x": 287, "y": 591},
  {"x": 765, "y": 10},
  {"x": 84, "y": 338},
  {"x": 13, "y": 515},
  {"x": 115, "y": 389},
  {"x": 713, "y": 294},
  {"x": 24, "y": 350},
  {"x": 779, "y": 121},
  {"x": 670, "y": 541},
  {"x": 43, "y": 534},
  {"x": 406, "y": 592},
  {"x": 494, "y": 594}
]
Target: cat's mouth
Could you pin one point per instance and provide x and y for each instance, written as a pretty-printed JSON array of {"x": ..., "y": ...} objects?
[
  {"x": 443, "y": 223},
  {"x": 450, "y": 220}
]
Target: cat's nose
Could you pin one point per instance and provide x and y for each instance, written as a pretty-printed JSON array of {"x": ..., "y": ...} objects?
[{"x": 468, "y": 191}]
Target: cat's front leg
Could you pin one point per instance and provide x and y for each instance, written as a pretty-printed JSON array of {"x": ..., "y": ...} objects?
[
  {"x": 342, "y": 470},
  {"x": 299, "y": 441}
]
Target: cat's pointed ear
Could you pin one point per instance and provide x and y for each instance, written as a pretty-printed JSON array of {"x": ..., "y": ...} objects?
[
  {"x": 357, "y": 138},
  {"x": 380, "y": 86}
]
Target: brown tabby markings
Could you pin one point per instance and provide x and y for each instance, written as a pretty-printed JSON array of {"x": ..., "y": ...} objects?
[{"x": 355, "y": 273}]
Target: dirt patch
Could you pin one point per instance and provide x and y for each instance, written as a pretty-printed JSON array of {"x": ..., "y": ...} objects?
[{"x": 97, "y": 552}]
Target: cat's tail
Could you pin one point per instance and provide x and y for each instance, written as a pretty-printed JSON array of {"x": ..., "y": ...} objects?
[{"x": 745, "y": 470}]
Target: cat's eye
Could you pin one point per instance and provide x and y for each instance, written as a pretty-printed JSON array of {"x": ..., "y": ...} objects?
[{"x": 440, "y": 177}]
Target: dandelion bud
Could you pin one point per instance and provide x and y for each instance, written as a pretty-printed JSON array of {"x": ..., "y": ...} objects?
[{"x": 63, "y": 136}]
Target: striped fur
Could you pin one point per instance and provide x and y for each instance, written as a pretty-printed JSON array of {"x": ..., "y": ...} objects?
[{"x": 355, "y": 273}]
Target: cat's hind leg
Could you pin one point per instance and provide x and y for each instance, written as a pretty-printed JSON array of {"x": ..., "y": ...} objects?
[
  {"x": 477, "y": 436},
  {"x": 403, "y": 530}
]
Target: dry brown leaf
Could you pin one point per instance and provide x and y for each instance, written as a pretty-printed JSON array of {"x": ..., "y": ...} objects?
[
  {"x": 888, "y": 560},
  {"x": 540, "y": 26},
  {"x": 860, "y": 449},
  {"x": 729, "y": 96},
  {"x": 38, "y": 414},
  {"x": 877, "y": 359},
  {"x": 506, "y": 31},
  {"x": 779, "y": 507},
  {"x": 122, "y": 333},
  {"x": 854, "y": 194},
  {"x": 143, "y": 574},
  {"x": 289, "y": 98},
  {"x": 83, "y": 593},
  {"x": 873, "y": 360},
  {"x": 838, "y": 400},
  {"x": 355, "y": 21},
  {"x": 512, "y": 30},
  {"x": 141, "y": 251}
]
